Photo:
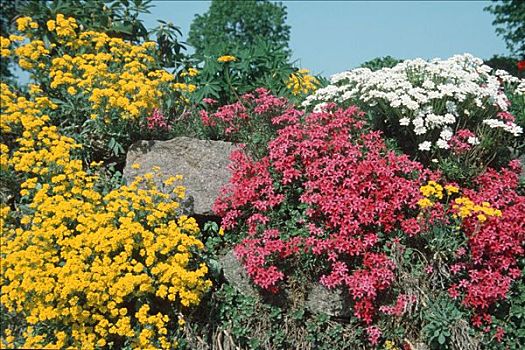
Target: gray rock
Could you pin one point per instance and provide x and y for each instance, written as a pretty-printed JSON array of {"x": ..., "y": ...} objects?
[
  {"x": 203, "y": 165},
  {"x": 328, "y": 301},
  {"x": 236, "y": 275}
]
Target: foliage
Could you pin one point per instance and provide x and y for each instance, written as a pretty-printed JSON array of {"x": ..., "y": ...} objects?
[
  {"x": 510, "y": 22},
  {"x": 248, "y": 69},
  {"x": 231, "y": 25},
  {"x": 85, "y": 269},
  {"x": 440, "y": 318},
  {"x": 254, "y": 37},
  {"x": 449, "y": 114},
  {"x": 251, "y": 322}
]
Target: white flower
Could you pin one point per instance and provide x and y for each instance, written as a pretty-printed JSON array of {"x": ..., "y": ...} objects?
[
  {"x": 473, "y": 140},
  {"x": 442, "y": 144},
  {"x": 430, "y": 95},
  {"x": 451, "y": 107},
  {"x": 319, "y": 107},
  {"x": 429, "y": 84},
  {"x": 425, "y": 146},
  {"x": 420, "y": 130},
  {"x": 507, "y": 126},
  {"x": 449, "y": 118},
  {"x": 418, "y": 122},
  {"x": 446, "y": 134},
  {"x": 434, "y": 119},
  {"x": 404, "y": 121}
]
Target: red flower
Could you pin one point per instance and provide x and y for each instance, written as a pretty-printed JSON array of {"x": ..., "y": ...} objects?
[{"x": 521, "y": 65}]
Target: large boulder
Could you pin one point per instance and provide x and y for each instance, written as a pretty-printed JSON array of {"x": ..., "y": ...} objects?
[{"x": 203, "y": 165}]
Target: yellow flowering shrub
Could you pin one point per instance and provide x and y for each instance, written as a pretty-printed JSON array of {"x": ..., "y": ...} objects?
[
  {"x": 301, "y": 82},
  {"x": 107, "y": 85},
  {"x": 82, "y": 268}
]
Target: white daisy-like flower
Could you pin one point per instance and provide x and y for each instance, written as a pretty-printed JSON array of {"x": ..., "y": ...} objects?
[
  {"x": 449, "y": 118},
  {"x": 451, "y": 107},
  {"x": 446, "y": 134},
  {"x": 425, "y": 146},
  {"x": 420, "y": 130},
  {"x": 404, "y": 121},
  {"x": 443, "y": 144},
  {"x": 418, "y": 122}
]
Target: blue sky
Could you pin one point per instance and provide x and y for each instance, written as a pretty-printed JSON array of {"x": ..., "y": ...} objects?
[{"x": 332, "y": 36}]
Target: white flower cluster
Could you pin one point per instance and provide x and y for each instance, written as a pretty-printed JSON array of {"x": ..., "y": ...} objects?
[
  {"x": 429, "y": 98},
  {"x": 508, "y": 127}
]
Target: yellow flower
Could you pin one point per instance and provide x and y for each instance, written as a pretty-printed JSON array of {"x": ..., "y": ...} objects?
[
  {"x": 465, "y": 207},
  {"x": 451, "y": 189},
  {"x": 71, "y": 90},
  {"x": 425, "y": 203},
  {"x": 301, "y": 82},
  {"x": 4, "y": 45},
  {"x": 81, "y": 241},
  {"x": 226, "y": 58},
  {"x": 390, "y": 345},
  {"x": 192, "y": 72},
  {"x": 51, "y": 25},
  {"x": 135, "y": 166},
  {"x": 23, "y": 23}
]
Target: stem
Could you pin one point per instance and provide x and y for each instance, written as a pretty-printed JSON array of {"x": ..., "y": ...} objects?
[{"x": 228, "y": 81}]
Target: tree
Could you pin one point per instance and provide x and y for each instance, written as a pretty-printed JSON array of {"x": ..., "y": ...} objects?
[
  {"x": 238, "y": 24},
  {"x": 510, "y": 22},
  {"x": 508, "y": 64}
]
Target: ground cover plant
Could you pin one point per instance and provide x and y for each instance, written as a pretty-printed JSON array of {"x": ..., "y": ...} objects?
[
  {"x": 331, "y": 204},
  {"x": 396, "y": 190}
]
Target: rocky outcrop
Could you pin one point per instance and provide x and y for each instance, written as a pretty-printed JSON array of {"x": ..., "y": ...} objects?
[{"x": 203, "y": 165}]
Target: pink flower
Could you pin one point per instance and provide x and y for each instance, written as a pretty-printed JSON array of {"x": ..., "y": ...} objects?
[
  {"x": 500, "y": 333},
  {"x": 157, "y": 120},
  {"x": 374, "y": 334}
]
